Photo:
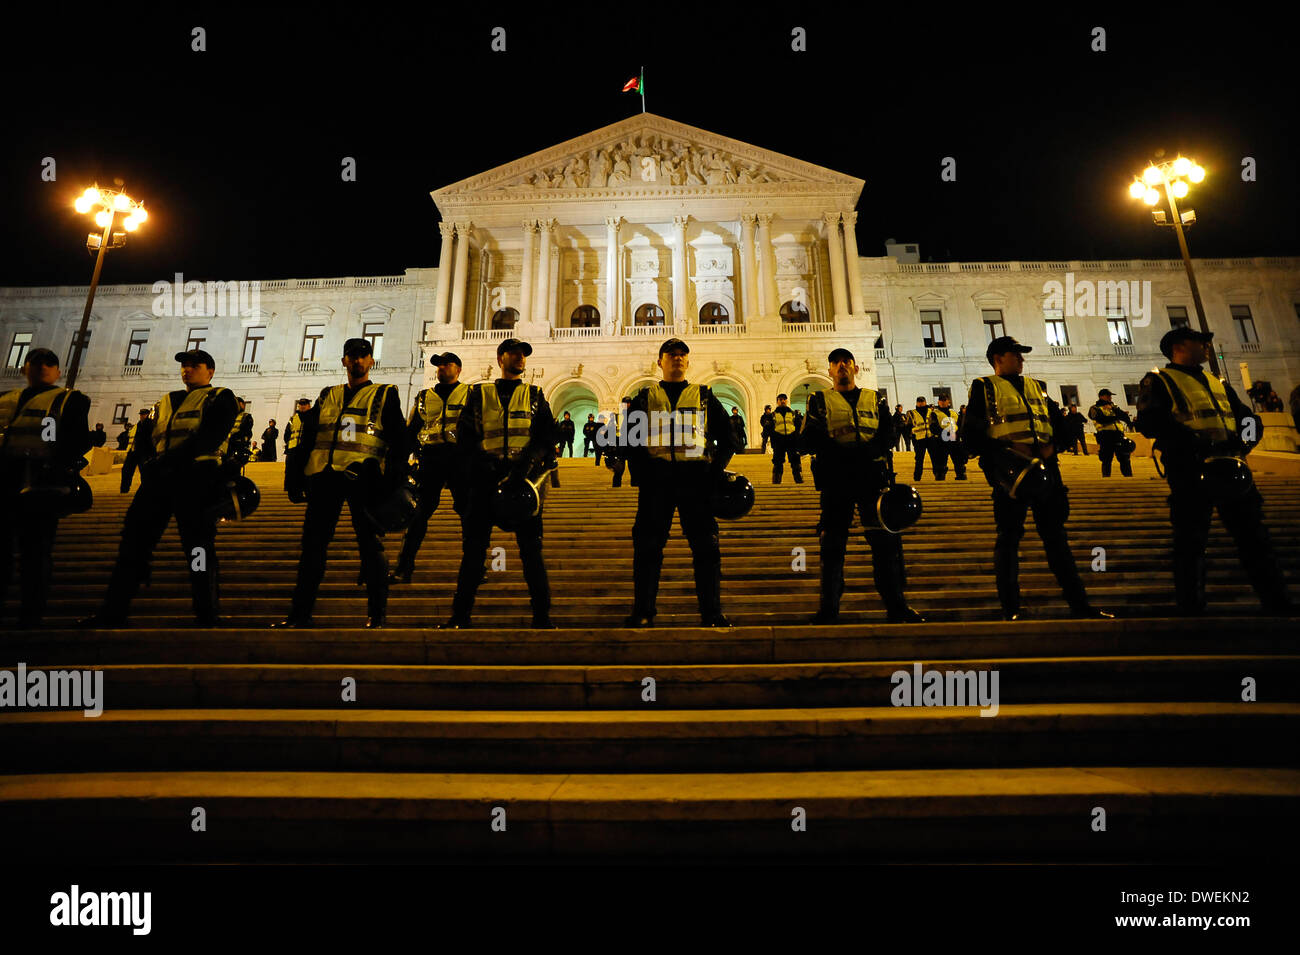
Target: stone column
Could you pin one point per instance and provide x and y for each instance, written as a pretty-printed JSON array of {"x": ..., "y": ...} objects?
[
  {"x": 851, "y": 255},
  {"x": 679, "y": 271},
  {"x": 526, "y": 280},
  {"x": 458, "y": 290},
  {"x": 836, "y": 248},
  {"x": 448, "y": 232},
  {"x": 542, "y": 304},
  {"x": 552, "y": 314},
  {"x": 771, "y": 297},
  {"x": 611, "y": 317},
  {"x": 748, "y": 278}
]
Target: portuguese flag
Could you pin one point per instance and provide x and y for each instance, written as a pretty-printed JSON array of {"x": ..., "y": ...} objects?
[{"x": 637, "y": 85}]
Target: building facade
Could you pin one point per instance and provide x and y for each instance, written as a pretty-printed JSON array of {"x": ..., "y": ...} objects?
[{"x": 598, "y": 249}]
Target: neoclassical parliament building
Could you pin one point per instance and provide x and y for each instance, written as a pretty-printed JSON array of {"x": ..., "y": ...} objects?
[{"x": 597, "y": 249}]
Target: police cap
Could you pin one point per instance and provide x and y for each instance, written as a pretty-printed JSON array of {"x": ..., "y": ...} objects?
[
  {"x": 839, "y": 353},
  {"x": 357, "y": 347},
  {"x": 444, "y": 358},
  {"x": 674, "y": 344},
  {"x": 42, "y": 356},
  {"x": 195, "y": 356},
  {"x": 1002, "y": 345},
  {"x": 1184, "y": 334},
  {"x": 510, "y": 344}
]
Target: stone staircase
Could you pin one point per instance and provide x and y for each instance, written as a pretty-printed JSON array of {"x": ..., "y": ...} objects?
[{"x": 751, "y": 732}]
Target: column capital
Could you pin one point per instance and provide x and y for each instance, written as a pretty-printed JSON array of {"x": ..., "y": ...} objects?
[
  {"x": 832, "y": 219},
  {"x": 747, "y": 218},
  {"x": 850, "y": 219},
  {"x": 446, "y": 229},
  {"x": 614, "y": 222},
  {"x": 764, "y": 219},
  {"x": 465, "y": 228},
  {"x": 529, "y": 225},
  {"x": 546, "y": 225},
  {"x": 681, "y": 221}
]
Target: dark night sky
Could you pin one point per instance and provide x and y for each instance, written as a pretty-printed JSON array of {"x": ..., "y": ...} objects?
[{"x": 237, "y": 151}]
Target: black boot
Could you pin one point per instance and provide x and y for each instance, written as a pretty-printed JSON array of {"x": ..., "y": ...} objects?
[
  {"x": 832, "y": 588},
  {"x": 646, "y": 567},
  {"x": 706, "y": 562}
]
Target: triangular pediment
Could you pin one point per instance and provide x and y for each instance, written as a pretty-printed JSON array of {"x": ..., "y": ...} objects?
[{"x": 651, "y": 155}]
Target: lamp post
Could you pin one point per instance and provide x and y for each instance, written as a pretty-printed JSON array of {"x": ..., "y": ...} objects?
[
  {"x": 111, "y": 204},
  {"x": 1173, "y": 175}
]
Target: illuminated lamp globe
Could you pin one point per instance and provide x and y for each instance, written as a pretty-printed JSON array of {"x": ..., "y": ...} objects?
[
  {"x": 1182, "y": 166},
  {"x": 1137, "y": 190},
  {"x": 140, "y": 214},
  {"x": 130, "y": 223},
  {"x": 1151, "y": 198},
  {"x": 91, "y": 194},
  {"x": 103, "y": 218},
  {"x": 1180, "y": 189},
  {"x": 1196, "y": 174},
  {"x": 1152, "y": 175},
  {"x": 121, "y": 202},
  {"x": 82, "y": 205}
]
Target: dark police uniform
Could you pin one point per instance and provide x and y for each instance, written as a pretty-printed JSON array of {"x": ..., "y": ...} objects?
[
  {"x": 765, "y": 423},
  {"x": 133, "y": 454},
  {"x": 506, "y": 429},
  {"x": 1009, "y": 420},
  {"x": 1110, "y": 435},
  {"x": 182, "y": 445},
  {"x": 431, "y": 430},
  {"x": 944, "y": 443},
  {"x": 786, "y": 423},
  {"x": 607, "y": 442},
  {"x": 851, "y": 436},
  {"x": 333, "y": 464},
  {"x": 567, "y": 430},
  {"x": 239, "y": 446},
  {"x": 27, "y": 460},
  {"x": 1192, "y": 415},
  {"x": 676, "y": 471},
  {"x": 918, "y": 426},
  {"x": 589, "y": 438}
]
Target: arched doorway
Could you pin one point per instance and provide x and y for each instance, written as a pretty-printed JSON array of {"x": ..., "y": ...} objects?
[
  {"x": 803, "y": 389},
  {"x": 577, "y": 399},
  {"x": 732, "y": 395}
]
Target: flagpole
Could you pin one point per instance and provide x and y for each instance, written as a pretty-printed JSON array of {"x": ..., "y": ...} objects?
[{"x": 643, "y": 89}]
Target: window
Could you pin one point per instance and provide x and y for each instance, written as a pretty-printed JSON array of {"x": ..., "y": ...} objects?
[
  {"x": 794, "y": 313},
  {"x": 312, "y": 336},
  {"x": 72, "y": 348},
  {"x": 649, "y": 315},
  {"x": 1131, "y": 395},
  {"x": 196, "y": 338},
  {"x": 119, "y": 413},
  {"x": 993, "y": 327},
  {"x": 253, "y": 344},
  {"x": 1178, "y": 316},
  {"x": 932, "y": 329},
  {"x": 942, "y": 391},
  {"x": 1119, "y": 333},
  {"x": 135, "y": 347},
  {"x": 373, "y": 332},
  {"x": 505, "y": 318},
  {"x": 875, "y": 327},
  {"x": 1245, "y": 324},
  {"x": 584, "y": 316},
  {"x": 427, "y": 334},
  {"x": 714, "y": 313},
  {"x": 1057, "y": 334},
  {"x": 18, "y": 349},
  {"x": 1069, "y": 395}
]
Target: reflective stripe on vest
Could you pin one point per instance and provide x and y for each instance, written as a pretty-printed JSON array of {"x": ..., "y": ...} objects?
[
  {"x": 782, "y": 421},
  {"x": 239, "y": 422},
  {"x": 852, "y": 424},
  {"x": 171, "y": 425},
  {"x": 351, "y": 434},
  {"x": 505, "y": 433},
  {"x": 1202, "y": 407},
  {"x": 679, "y": 434},
  {"x": 21, "y": 428},
  {"x": 1014, "y": 419},
  {"x": 1106, "y": 419},
  {"x": 947, "y": 422},
  {"x": 919, "y": 422},
  {"x": 293, "y": 438},
  {"x": 440, "y": 417}
]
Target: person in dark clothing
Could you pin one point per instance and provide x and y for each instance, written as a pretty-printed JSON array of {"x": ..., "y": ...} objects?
[
  {"x": 27, "y": 460},
  {"x": 786, "y": 423},
  {"x": 506, "y": 431},
  {"x": 181, "y": 448},
  {"x": 850, "y": 434},
  {"x": 589, "y": 437},
  {"x": 608, "y": 441},
  {"x": 901, "y": 427},
  {"x": 1110, "y": 422},
  {"x": 293, "y": 430},
  {"x": 1198, "y": 423},
  {"x": 352, "y": 449},
  {"x": 679, "y": 443},
  {"x": 269, "y": 437},
  {"x": 1010, "y": 422},
  {"x": 945, "y": 441},
  {"x": 1072, "y": 432},
  {"x": 124, "y": 438},
  {"x": 567, "y": 430},
  {"x": 738, "y": 436},
  {"x": 765, "y": 422},
  {"x": 98, "y": 437},
  {"x": 134, "y": 453}
]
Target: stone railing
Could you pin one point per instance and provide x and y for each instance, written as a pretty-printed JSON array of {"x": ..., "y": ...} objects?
[
  {"x": 131, "y": 371},
  {"x": 933, "y": 353},
  {"x": 1061, "y": 350},
  {"x": 1249, "y": 347},
  {"x": 1124, "y": 351},
  {"x": 581, "y": 332},
  {"x": 723, "y": 328},
  {"x": 807, "y": 328},
  {"x": 486, "y": 334},
  {"x": 645, "y": 331},
  {"x": 247, "y": 368}
]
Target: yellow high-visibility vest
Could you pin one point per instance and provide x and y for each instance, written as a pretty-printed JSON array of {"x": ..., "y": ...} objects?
[
  {"x": 1105, "y": 417},
  {"x": 293, "y": 431},
  {"x": 919, "y": 421},
  {"x": 782, "y": 421},
  {"x": 505, "y": 431},
  {"x": 1014, "y": 419},
  {"x": 172, "y": 425},
  {"x": 852, "y": 424},
  {"x": 440, "y": 417},
  {"x": 947, "y": 422},
  {"x": 351, "y": 434},
  {"x": 21, "y": 428},
  {"x": 1205, "y": 408},
  {"x": 679, "y": 436}
]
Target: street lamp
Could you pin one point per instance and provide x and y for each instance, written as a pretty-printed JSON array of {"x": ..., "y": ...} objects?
[
  {"x": 111, "y": 208},
  {"x": 1174, "y": 175}
]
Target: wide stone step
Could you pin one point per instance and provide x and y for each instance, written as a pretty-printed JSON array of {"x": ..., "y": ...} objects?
[
  {"x": 1153, "y": 813},
  {"x": 653, "y": 740}
]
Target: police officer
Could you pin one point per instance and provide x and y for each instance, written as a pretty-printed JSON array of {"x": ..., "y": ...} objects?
[
  {"x": 182, "y": 446},
  {"x": 133, "y": 453},
  {"x": 944, "y": 439},
  {"x": 506, "y": 431},
  {"x": 589, "y": 437},
  {"x": 352, "y": 449},
  {"x": 431, "y": 430},
  {"x": 43, "y": 434},
  {"x": 918, "y": 423},
  {"x": 1110, "y": 433},
  {"x": 1193, "y": 417},
  {"x": 687, "y": 444},
  {"x": 851, "y": 434},
  {"x": 765, "y": 422},
  {"x": 567, "y": 431},
  {"x": 609, "y": 441},
  {"x": 239, "y": 447},
  {"x": 1010, "y": 422},
  {"x": 786, "y": 423},
  {"x": 293, "y": 430}
]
